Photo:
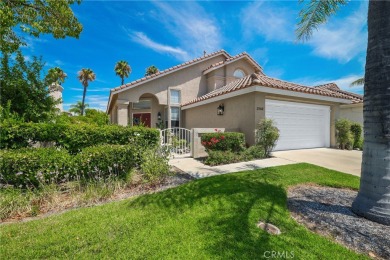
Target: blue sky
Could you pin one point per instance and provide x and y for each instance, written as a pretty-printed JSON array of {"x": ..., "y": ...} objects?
[{"x": 165, "y": 34}]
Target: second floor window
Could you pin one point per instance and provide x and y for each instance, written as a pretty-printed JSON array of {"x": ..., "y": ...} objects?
[
  {"x": 175, "y": 96},
  {"x": 238, "y": 74}
]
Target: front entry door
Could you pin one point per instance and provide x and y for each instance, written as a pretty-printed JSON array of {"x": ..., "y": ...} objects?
[{"x": 142, "y": 119}]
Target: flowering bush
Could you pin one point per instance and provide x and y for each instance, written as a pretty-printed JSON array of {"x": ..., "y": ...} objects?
[{"x": 218, "y": 141}]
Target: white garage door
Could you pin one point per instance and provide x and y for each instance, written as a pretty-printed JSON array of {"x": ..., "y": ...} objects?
[{"x": 300, "y": 125}]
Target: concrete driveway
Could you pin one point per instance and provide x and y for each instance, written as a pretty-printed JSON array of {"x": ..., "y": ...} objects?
[{"x": 339, "y": 160}]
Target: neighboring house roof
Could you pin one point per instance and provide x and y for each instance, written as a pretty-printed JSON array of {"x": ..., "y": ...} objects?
[
  {"x": 356, "y": 98},
  {"x": 237, "y": 57},
  {"x": 257, "y": 79}
]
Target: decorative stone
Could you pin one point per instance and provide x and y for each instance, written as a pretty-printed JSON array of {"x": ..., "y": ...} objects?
[{"x": 271, "y": 229}]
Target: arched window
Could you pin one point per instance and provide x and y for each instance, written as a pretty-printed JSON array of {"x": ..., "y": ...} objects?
[{"x": 239, "y": 74}]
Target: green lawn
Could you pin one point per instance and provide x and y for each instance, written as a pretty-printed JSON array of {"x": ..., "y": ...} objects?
[{"x": 209, "y": 218}]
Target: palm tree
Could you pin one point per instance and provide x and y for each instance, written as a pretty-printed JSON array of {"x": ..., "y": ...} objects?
[
  {"x": 55, "y": 75},
  {"x": 151, "y": 70},
  {"x": 373, "y": 199},
  {"x": 77, "y": 108},
  {"x": 358, "y": 82},
  {"x": 85, "y": 76},
  {"x": 122, "y": 69}
]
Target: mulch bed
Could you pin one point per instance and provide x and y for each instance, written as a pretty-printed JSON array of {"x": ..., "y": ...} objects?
[{"x": 327, "y": 211}]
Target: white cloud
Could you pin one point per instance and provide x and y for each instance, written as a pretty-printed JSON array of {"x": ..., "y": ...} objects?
[
  {"x": 191, "y": 26},
  {"x": 94, "y": 101},
  {"x": 342, "y": 39},
  {"x": 144, "y": 40},
  {"x": 273, "y": 23}
]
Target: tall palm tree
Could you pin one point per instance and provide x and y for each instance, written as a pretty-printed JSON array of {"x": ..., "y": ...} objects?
[
  {"x": 77, "y": 108},
  {"x": 85, "y": 76},
  {"x": 122, "y": 69},
  {"x": 373, "y": 199},
  {"x": 55, "y": 75},
  {"x": 358, "y": 82},
  {"x": 151, "y": 70}
]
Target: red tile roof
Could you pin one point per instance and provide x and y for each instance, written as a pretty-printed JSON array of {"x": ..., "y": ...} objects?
[
  {"x": 356, "y": 98},
  {"x": 174, "y": 68},
  {"x": 262, "y": 80},
  {"x": 234, "y": 58}
]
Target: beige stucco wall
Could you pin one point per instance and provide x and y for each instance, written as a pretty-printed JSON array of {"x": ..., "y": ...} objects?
[
  {"x": 190, "y": 81},
  {"x": 352, "y": 112},
  {"x": 242, "y": 113},
  {"x": 224, "y": 75},
  {"x": 239, "y": 115},
  {"x": 155, "y": 108}
]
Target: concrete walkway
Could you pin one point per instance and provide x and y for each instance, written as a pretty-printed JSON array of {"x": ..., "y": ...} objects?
[
  {"x": 199, "y": 170},
  {"x": 339, "y": 160}
]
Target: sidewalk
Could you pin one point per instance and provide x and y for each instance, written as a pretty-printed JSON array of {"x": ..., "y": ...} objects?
[{"x": 198, "y": 170}]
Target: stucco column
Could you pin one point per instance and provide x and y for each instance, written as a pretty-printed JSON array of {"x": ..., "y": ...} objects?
[
  {"x": 123, "y": 112},
  {"x": 259, "y": 110}
]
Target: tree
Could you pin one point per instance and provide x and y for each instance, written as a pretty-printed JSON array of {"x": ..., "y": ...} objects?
[
  {"x": 55, "y": 75},
  {"x": 77, "y": 108},
  {"x": 35, "y": 17},
  {"x": 22, "y": 87},
  {"x": 85, "y": 76},
  {"x": 151, "y": 70},
  {"x": 373, "y": 199},
  {"x": 122, "y": 69},
  {"x": 358, "y": 82}
]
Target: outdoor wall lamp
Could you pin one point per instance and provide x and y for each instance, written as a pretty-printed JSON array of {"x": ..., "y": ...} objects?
[
  {"x": 159, "y": 116},
  {"x": 220, "y": 110}
]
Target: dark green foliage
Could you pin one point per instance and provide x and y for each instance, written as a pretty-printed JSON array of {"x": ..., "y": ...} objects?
[
  {"x": 255, "y": 152},
  {"x": 343, "y": 134},
  {"x": 34, "y": 166},
  {"x": 74, "y": 137},
  {"x": 226, "y": 157},
  {"x": 266, "y": 135},
  {"x": 39, "y": 166},
  {"x": 34, "y": 18},
  {"x": 234, "y": 142},
  {"x": 92, "y": 116},
  {"x": 103, "y": 161},
  {"x": 22, "y": 86},
  {"x": 356, "y": 130},
  {"x": 221, "y": 157}
]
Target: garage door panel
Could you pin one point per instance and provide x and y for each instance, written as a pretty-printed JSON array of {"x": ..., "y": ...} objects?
[{"x": 300, "y": 125}]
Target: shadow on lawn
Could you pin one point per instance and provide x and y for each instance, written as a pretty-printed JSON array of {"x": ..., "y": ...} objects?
[{"x": 235, "y": 203}]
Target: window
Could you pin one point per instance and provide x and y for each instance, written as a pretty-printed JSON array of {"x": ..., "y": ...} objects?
[
  {"x": 175, "y": 116},
  {"x": 143, "y": 104},
  {"x": 238, "y": 74},
  {"x": 175, "y": 96}
]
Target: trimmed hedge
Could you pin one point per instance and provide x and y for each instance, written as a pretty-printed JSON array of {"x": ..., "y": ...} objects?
[
  {"x": 234, "y": 142},
  {"x": 74, "y": 137},
  {"x": 30, "y": 166},
  {"x": 35, "y": 166}
]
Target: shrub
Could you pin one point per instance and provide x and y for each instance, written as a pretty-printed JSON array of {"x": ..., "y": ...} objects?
[
  {"x": 154, "y": 164},
  {"x": 234, "y": 142},
  {"x": 222, "y": 157},
  {"x": 266, "y": 135},
  {"x": 104, "y": 161},
  {"x": 254, "y": 152},
  {"x": 343, "y": 135},
  {"x": 74, "y": 137},
  {"x": 32, "y": 167},
  {"x": 356, "y": 130},
  {"x": 37, "y": 166}
]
